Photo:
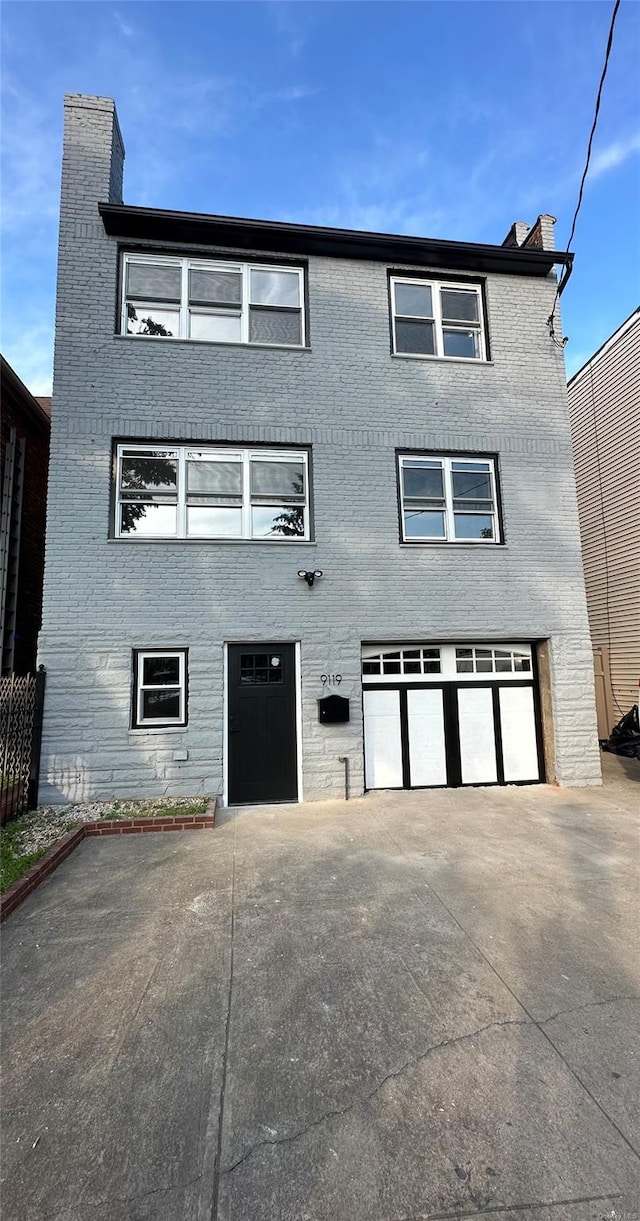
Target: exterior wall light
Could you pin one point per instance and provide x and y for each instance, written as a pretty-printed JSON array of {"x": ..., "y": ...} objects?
[{"x": 310, "y": 577}]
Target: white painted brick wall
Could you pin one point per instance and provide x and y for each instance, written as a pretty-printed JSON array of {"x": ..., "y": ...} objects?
[{"x": 354, "y": 404}]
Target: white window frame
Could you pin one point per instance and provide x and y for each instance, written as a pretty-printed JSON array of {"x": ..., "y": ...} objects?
[
  {"x": 139, "y": 721},
  {"x": 446, "y": 461},
  {"x": 244, "y": 455},
  {"x": 383, "y": 656},
  {"x": 449, "y": 672},
  {"x": 498, "y": 654},
  {"x": 184, "y": 309},
  {"x": 438, "y": 325}
]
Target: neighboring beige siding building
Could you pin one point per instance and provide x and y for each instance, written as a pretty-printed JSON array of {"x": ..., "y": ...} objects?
[{"x": 604, "y": 411}]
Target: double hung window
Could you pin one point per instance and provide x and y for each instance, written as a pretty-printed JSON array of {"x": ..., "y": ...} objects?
[
  {"x": 448, "y": 499},
  {"x": 430, "y": 318},
  {"x": 160, "y": 688},
  {"x": 185, "y": 491},
  {"x": 205, "y": 299}
]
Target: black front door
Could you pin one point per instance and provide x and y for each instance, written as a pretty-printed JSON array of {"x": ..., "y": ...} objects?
[{"x": 262, "y": 724}]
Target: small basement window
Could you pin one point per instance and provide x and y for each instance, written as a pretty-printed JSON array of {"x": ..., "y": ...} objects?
[{"x": 159, "y": 688}]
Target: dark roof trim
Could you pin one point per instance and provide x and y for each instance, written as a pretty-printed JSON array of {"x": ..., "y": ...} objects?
[{"x": 153, "y": 224}]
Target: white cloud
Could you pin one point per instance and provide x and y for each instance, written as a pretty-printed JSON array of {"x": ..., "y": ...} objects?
[
  {"x": 613, "y": 155},
  {"x": 125, "y": 29},
  {"x": 291, "y": 22}
]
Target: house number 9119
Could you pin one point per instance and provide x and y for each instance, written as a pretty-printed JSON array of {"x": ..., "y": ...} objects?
[{"x": 330, "y": 680}]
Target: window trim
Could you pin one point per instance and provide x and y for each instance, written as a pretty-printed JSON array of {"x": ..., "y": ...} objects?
[
  {"x": 137, "y": 720},
  {"x": 514, "y": 653},
  {"x": 449, "y": 456},
  {"x": 247, "y": 453},
  {"x": 436, "y": 282},
  {"x": 449, "y": 674},
  {"x": 189, "y": 261}
]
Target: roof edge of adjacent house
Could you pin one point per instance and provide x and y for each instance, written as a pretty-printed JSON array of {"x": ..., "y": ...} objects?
[
  {"x": 187, "y": 228},
  {"x": 617, "y": 335},
  {"x": 13, "y": 385}
]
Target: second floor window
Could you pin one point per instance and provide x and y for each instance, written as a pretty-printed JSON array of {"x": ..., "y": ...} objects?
[
  {"x": 204, "y": 299},
  {"x": 182, "y": 491},
  {"x": 448, "y": 499},
  {"x": 431, "y": 318}
]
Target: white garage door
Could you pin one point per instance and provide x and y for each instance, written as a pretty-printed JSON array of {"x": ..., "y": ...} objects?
[
  {"x": 427, "y": 756},
  {"x": 464, "y": 714},
  {"x": 383, "y": 744},
  {"x": 477, "y": 735},
  {"x": 519, "y": 740}
]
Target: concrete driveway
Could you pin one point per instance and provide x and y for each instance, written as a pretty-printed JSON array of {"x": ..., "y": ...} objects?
[{"x": 415, "y": 1005}]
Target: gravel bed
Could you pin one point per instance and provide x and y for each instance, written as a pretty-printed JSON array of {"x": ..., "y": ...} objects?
[{"x": 42, "y": 827}]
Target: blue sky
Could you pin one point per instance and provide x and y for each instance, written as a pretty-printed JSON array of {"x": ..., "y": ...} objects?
[{"x": 437, "y": 119}]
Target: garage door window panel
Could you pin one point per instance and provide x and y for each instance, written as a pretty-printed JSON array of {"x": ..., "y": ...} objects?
[
  {"x": 416, "y": 662},
  {"x": 476, "y": 660}
]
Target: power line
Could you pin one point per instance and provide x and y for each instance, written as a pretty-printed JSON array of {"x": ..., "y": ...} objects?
[{"x": 551, "y": 318}]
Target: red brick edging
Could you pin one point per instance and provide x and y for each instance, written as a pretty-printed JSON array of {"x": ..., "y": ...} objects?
[{"x": 18, "y": 891}]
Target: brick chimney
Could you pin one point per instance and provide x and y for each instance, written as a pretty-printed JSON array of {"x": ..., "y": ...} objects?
[
  {"x": 92, "y": 155},
  {"x": 517, "y": 233},
  {"x": 92, "y": 166},
  {"x": 541, "y": 236}
]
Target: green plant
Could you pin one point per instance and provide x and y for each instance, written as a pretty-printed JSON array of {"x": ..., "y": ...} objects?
[{"x": 12, "y": 863}]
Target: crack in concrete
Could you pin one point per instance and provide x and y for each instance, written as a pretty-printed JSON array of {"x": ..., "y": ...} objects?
[
  {"x": 217, "y": 1164},
  {"x": 72, "y": 1209},
  {"x": 130, "y": 1021},
  {"x": 398, "y": 1072},
  {"x": 539, "y": 1025},
  {"x": 495, "y": 1210},
  {"x": 611, "y": 1000}
]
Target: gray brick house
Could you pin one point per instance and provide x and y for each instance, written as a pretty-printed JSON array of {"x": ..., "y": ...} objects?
[{"x": 239, "y": 405}]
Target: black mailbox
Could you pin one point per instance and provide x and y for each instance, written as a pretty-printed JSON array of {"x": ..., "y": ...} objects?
[{"x": 332, "y": 709}]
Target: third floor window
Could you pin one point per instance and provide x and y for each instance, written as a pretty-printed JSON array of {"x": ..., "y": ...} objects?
[
  {"x": 204, "y": 299},
  {"x": 435, "y": 319}
]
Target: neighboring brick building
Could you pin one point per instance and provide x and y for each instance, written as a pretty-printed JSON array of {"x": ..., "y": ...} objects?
[
  {"x": 604, "y": 411},
  {"x": 24, "y": 461},
  {"x": 237, "y": 403}
]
